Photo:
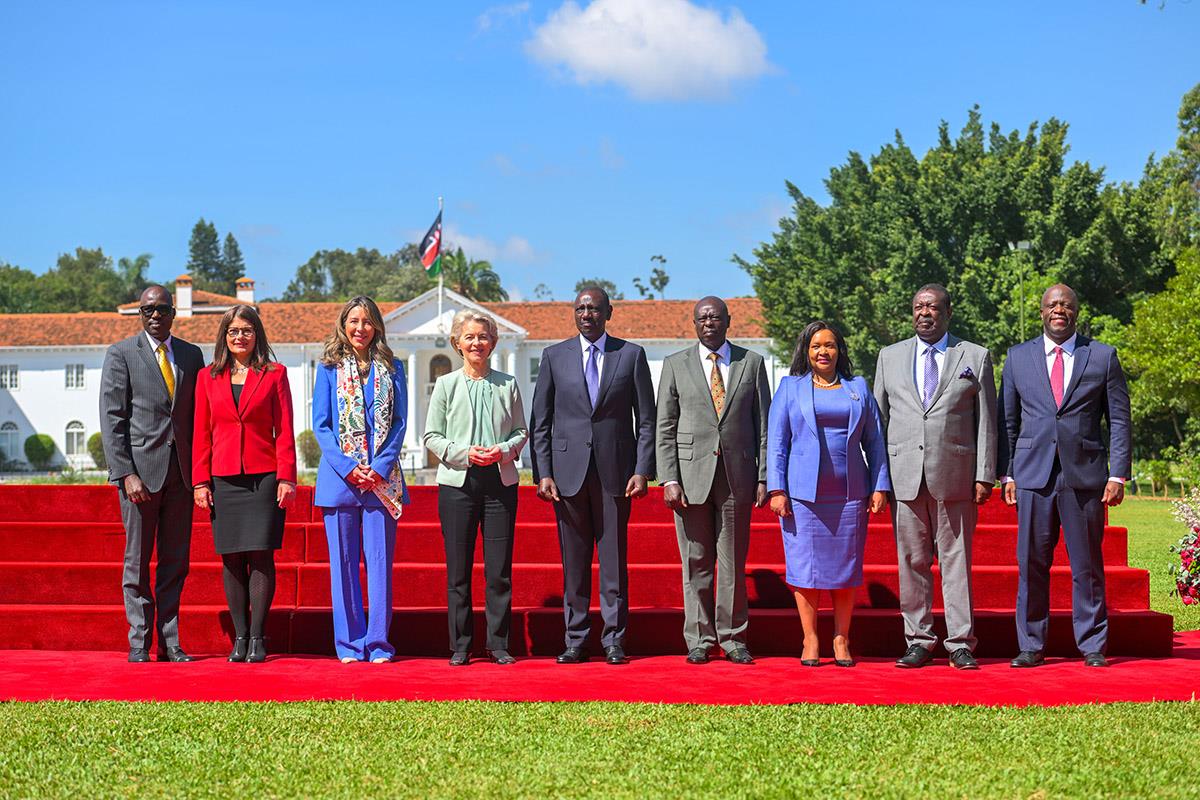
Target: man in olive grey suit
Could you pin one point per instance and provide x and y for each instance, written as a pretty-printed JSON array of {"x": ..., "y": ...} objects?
[
  {"x": 937, "y": 396},
  {"x": 147, "y": 391},
  {"x": 713, "y": 402}
]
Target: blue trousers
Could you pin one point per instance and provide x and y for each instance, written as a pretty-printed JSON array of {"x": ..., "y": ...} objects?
[
  {"x": 1080, "y": 515},
  {"x": 357, "y": 534}
]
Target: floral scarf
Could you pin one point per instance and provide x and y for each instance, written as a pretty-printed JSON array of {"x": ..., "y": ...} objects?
[{"x": 352, "y": 426}]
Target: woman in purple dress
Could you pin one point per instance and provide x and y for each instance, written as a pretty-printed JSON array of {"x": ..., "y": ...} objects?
[{"x": 823, "y": 422}]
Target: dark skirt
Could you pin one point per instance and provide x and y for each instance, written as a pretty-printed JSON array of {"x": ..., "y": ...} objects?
[{"x": 245, "y": 515}]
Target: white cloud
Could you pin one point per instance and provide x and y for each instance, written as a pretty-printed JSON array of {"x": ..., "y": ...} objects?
[
  {"x": 656, "y": 49},
  {"x": 497, "y": 15},
  {"x": 516, "y": 249}
]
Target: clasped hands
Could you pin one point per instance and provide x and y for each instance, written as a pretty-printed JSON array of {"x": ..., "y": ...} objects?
[
  {"x": 484, "y": 456},
  {"x": 285, "y": 495},
  {"x": 365, "y": 479}
]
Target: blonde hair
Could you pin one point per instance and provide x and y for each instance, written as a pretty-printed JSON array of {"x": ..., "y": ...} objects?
[
  {"x": 338, "y": 347},
  {"x": 467, "y": 315}
]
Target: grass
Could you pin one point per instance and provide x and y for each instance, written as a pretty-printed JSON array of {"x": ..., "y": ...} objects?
[
  {"x": 1152, "y": 531},
  {"x": 476, "y": 749}
]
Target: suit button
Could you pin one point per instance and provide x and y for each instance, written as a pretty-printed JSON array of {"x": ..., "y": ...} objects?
[
  {"x": 920, "y": 447},
  {"x": 716, "y": 452},
  {"x": 589, "y": 444}
]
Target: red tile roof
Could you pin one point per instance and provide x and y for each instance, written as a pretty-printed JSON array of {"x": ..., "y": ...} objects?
[
  {"x": 311, "y": 322},
  {"x": 199, "y": 298}
]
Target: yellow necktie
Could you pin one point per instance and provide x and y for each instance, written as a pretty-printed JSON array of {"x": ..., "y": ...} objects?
[
  {"x": 716, "y": 384},
  {"x": 167, "y": 373}
]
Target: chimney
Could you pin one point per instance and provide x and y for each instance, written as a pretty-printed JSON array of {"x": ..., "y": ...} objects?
[
  {"x": 183, "y": 296},
  {"x": 245, "y": 291}
]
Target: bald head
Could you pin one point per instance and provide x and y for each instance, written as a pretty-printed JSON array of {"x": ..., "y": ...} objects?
[{"x": 1060, "y": 312}]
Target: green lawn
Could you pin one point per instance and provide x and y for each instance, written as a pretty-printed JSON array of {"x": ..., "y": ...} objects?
[
  {"x": 1152, "y": 531},
  {"x": 592, "y": 749}
]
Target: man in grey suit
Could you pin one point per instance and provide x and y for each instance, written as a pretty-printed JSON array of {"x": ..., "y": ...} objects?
[
  {"x": 937, "y": 395},
  {"x": 713, "y": 401},
  {"x": 147, "y": 391}
]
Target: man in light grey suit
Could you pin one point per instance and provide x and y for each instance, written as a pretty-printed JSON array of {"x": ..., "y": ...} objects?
[
  {"x": 937, "y": 395},
  {"x": 147, "y": 391},
  {"x": 711, "y": 443}
]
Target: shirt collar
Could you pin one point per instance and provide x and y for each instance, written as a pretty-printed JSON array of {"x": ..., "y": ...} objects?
[
  {"x": 154, "y": 343},
  {"x": 1068, "y": 346},
  {"x": 722, "y": 351},
  {"x": 940, "y": 345},
  {"x": 600, "y": 343}
]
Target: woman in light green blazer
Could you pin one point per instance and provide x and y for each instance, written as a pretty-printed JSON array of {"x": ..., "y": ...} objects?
[{"x": 476, "y": 427}]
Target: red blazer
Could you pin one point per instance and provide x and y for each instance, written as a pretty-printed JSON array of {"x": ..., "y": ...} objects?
[{"x": 253, "y": 436}]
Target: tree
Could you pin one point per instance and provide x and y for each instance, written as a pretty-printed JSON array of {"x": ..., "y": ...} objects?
[
  {"x": 233, "y": 266},
  {"x": 1173, "y": 184},
  {"x": 604, "y": 283},
  {"x": 658, "y": 280},
  {"x": 475, "y": 280},
  {"x": 204, "y": 257},
  {"x": 895, "y": 222},
  {"x": 309, "y": 448},
  {"x": 337, "y": 275},
  {"x": 85, "y": 281},
  {"x": 95, "y": 446},
  {"x": 542, "y": 292},
  {"x": 39, "y": 450},
  {"x": 132, "y": 272},
  {"x": 18, "y": 290}
]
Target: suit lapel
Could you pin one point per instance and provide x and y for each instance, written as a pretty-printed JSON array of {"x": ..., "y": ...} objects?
[
  {"x": 909, "y": 362},
  {"x": 950, "y": 363},
  {"x": 1037, "y": 354},
  {"x": 612, "y": 357},
  {"x": 737, "y": 360},
  {"x": 805, "y": 401},
  {"x": 856, "y": 404},
  {"x": 151, "y": 361},
  {"x": 692, "y": 368},
  {"x": 1078, "y": 365},
  {"x": 253, "y": 379}
]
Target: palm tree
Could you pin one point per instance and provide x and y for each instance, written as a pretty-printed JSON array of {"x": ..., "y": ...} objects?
[{"x": 474, "y": 280}]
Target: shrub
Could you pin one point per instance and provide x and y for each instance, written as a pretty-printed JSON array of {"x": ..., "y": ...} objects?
[
  {"x": 39, "y": 450},
  {"x": 95, "y": 447},
  {"x": 310, "y": 451}
]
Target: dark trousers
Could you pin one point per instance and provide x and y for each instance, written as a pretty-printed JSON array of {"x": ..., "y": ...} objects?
[
  {"x": 483, "y": 502},
  {"x": 592, "y": 519},
  {"x": 164, "y": 521},
  {"x": 1080, "y": 514}
]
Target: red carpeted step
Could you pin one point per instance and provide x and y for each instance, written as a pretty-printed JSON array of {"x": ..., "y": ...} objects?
[
  {"x": 661, "y": 585},
  {"x": 539, "y": 631},
  {"x": 91, "y": 503},
  {"x": 105, "y": 542},
  {"x": 71, "y": 583}
]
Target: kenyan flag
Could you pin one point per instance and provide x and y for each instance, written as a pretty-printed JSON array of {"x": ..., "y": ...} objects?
[{"x": 431, "y": 248}]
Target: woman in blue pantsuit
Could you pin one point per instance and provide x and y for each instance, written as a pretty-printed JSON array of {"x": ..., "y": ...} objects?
[
  {"x": 360, "y": 411},
  {"x": 823, "y": 421}
]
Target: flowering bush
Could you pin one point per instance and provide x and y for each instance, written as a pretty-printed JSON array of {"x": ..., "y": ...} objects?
[{"x": 1187, "y": 572}]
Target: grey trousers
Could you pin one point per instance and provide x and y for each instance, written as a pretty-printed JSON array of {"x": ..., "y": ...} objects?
[
  {"x": 164, "y": 521},
  {"x": 926, "y": 527},
  {"x": 714, "y": 534}
]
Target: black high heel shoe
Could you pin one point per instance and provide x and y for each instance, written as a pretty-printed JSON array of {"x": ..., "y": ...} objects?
[
  {"x": 239, "y": 648},
  {"x": 258, "y": 651}
]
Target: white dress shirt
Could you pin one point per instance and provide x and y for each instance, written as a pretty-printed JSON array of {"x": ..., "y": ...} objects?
[
  {"x": 154, "y": 343},
  {"x": 939, "y": 358},
  {"x": 584, "y": 344},
  {"x": 722, "y": 363}
]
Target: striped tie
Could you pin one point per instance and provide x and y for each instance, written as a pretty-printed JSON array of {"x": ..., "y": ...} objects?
[
  {"x": 931, "y": 375},
  {"x": 716, "y": 384},
  {"x": 165, "y": 367}
]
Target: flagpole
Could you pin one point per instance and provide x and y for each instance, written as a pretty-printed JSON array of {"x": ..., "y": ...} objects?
[{"x": 442, "y": 269}]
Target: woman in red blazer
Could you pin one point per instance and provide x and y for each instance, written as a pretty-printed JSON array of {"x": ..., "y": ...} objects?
[{"x": 244, "y": 468}]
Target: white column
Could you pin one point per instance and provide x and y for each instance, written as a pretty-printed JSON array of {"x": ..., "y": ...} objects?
[
  {"x": 411, "y": 436},
  {"x": 511, "y": 362}
]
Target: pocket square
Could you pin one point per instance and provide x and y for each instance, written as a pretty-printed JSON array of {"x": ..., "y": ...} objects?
[{"x": 966, "y": 373}]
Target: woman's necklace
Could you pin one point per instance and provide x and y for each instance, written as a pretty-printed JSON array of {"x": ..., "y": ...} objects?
[
  {"x": 238, "y": 370},
  {"x": 364, "y": 369},
  {"x": 824, "y": 384}
]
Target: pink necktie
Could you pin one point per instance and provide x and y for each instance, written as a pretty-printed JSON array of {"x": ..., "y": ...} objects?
[{"x": 1056, "y": 376}]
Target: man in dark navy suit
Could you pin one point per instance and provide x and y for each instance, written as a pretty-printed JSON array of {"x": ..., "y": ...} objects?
[
  {"x": 590, "y": 460},
  {"x": 1054, "y": 391}
]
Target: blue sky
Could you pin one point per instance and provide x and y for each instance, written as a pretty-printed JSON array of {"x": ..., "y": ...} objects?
[{"x": 570, "y": 139}]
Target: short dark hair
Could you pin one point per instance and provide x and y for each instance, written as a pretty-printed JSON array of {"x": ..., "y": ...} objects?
[
  {"x": 800, "y": 365},
  {"x": 934, "y": 287},
  {"x": 593, "y": 289}
]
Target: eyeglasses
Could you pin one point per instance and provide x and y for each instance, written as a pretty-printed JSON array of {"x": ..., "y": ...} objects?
[
  {"x": 710, "y": 318},
  {"x": 163, "y": 309},
  {"x": 240, "y": 333}
]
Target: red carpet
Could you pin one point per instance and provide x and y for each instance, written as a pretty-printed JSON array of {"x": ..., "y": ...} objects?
[
  {"x": 49, "y": 675},
  {"x": 60, "y": 576}
]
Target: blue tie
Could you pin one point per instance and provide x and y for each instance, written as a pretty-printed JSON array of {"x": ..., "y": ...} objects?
[
  {"x": 592, "y": 374},
  {"x": 931, "y": 376}
]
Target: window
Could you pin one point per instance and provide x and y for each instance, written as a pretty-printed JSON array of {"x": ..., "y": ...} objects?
[
  {"x": 9, "y": 378},
  {"x": 76, "y": 442},
  {"x": 8, "y": 442},
  {"x": 535, "y": 364},
  {"x": 74, "y": 376}
]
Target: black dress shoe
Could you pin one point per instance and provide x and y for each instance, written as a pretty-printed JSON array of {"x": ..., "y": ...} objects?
[
  {"x": 844, "y": 662},
  {"x": 258, "y": 650},
  {"x": 739, "y": 655},
  {"x": 139, "y": 655},
  {"x": 1095, "y": 660},
  {"x": 572, "y": 655},
  {"x": 698, "y": 655},
  {"x": 915, "y": 656},
  {"x": 174, "y": 654},
  {"x": 615, "y": 654},
  {"x": 460, "y": 659},
  {"x": 962, "y": 659},
  {"x": 501, "y": 657},
  {"x": 810, "y": 662},
  {"x": 1028, "y": 658},
  {"x": 240, "y": 644}
]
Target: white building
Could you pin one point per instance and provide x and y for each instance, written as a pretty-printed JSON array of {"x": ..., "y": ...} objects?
[{"x": 50, "y": 363}]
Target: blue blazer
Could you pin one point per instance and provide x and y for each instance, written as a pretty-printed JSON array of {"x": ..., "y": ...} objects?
[
  {"x": 794, "y": 445},
  {"x": 1033, "y": 431},
  {"x": 333, "y": 490}
]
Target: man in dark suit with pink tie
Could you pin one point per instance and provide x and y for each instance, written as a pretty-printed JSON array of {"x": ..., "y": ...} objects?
[{"x": 1054, "y": 392}]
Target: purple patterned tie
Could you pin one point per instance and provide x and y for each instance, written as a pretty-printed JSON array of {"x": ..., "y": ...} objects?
[
  {"x": 592, "y": 374},
  {"x": 931, "y": 375}
]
